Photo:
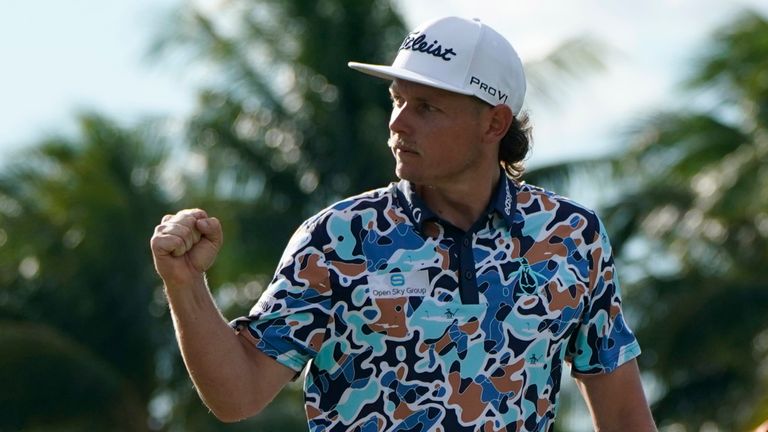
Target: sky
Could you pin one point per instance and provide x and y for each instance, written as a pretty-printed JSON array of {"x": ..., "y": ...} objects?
[{"x": 62, "y": 58}]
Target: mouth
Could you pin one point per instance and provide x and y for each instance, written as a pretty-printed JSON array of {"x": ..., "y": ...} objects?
[
  {"x": 399, "y": 147},
  {"x": 404, "y": 151}
]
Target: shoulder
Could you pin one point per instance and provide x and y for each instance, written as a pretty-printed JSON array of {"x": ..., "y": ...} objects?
[
  {"x": 369, "y": 202},
  {"x": 324, "y": 230},
  {"x": 551, "y": 209},
  {"x": 534, "y": 199}
]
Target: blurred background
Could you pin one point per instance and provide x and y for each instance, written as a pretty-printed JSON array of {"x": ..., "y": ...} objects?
[{"x": 116, "y": 113}]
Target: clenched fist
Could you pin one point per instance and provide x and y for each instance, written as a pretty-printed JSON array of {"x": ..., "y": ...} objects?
[{"x": 185, "y": 245}]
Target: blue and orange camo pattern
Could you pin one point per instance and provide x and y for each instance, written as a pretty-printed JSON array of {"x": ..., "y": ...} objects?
[{"x": 371, "y": 301}]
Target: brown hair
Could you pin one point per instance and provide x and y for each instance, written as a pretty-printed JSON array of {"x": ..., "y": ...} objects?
[{"x": 514, "y": 146}]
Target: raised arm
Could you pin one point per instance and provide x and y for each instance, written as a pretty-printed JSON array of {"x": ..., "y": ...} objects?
[
  {"x": 233, "y": 378},
  {"x": 616, "y": 400}
]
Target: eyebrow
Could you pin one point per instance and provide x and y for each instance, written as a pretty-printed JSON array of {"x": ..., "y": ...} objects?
[{"x": 393, "y": 90}]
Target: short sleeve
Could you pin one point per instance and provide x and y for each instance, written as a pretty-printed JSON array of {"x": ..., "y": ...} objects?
[
  {"x": 289, "y": 321},
  {"x": 603, "y": 341}
]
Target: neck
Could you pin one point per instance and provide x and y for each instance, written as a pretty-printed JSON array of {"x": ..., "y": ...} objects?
[{"x": 461, "y": 203}]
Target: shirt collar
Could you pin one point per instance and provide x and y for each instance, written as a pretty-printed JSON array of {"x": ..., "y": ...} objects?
[
  {"x": 503, "y": 202},
  {"x": 415, "y": 207}
]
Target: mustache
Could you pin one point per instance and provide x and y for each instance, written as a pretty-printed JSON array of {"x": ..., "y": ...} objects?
[{"x": 397, "y": 143}]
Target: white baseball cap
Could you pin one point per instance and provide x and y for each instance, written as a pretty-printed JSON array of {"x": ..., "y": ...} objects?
[{"x": 459, "y": 55}]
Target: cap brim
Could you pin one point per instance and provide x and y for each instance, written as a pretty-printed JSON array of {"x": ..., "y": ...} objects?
[{"x": 391, "y": 73}]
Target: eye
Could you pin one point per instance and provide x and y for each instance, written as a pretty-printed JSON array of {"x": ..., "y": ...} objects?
[
  {"x": 397, "y": 101},
  {"x": 427, "y": 108}
]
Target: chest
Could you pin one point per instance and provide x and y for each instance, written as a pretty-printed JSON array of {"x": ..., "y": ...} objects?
[{"x": 410, "y": 295}]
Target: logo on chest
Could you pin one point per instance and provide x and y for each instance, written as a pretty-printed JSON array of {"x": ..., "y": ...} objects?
[{"x": 400, "y": 284}]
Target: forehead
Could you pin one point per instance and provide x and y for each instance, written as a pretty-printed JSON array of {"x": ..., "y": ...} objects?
[
  {"x": 403, "y": 87},
  {"x": 416, "y": 91}
]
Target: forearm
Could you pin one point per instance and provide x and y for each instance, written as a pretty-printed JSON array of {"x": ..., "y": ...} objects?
[
  {"x": 234, "y": 379},
  {"x": 637, "y": 419},
  {"x": 213, "y": 353},
  {"x": 616, "y": 400}
]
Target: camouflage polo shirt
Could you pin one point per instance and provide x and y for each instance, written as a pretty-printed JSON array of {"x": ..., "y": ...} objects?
[{"x": 410, "y": 324}]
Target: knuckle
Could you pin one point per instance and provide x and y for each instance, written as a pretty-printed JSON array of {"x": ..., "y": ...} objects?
[
  {"x": 177, "y": 242},
  {"x": 186, "y": 231}
]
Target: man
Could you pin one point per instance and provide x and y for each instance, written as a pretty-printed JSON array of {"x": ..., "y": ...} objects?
[{"x": 445, "y": 302}]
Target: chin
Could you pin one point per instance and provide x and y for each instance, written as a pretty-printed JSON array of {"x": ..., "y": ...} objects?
[{"x": 404, "y": 174}]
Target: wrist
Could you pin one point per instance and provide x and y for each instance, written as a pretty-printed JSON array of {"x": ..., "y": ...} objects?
[{"x": 191, "y": 285}]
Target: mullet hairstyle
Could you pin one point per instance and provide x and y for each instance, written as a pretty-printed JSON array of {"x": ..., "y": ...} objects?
[{"x": 515, "y": 145}]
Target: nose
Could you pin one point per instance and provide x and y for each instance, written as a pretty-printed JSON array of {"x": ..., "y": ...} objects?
[{"x": 399, "y": 119}]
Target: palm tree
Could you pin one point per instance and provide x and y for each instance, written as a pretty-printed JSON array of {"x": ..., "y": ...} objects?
[
  {"x": 75, "y": 288},
  {"x": 283, "y": 130},
  {"x": 690, "y": 222},
  {"x": 286, "y": 128}
]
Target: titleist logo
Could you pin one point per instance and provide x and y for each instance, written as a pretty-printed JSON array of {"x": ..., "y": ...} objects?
[{"x": 418, "y": 42}]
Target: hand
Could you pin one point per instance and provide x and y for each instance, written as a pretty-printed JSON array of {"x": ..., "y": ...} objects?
[
  {"x": 763, "y": 427},
  {"x": 185, "y": 245}
]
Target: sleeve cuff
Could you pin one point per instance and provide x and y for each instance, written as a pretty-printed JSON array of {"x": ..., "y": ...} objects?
[
  {"x": 292, "y": 360},
  {"x": 608, "y": 365}
]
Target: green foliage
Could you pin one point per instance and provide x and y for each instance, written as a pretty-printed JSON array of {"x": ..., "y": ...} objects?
[
  {"x": 283, "y": 130},
  {"x": 49, "y": 379},
  {"x": 287, "y": 128},
  {"x": 691, "y": 227},
  {"x": 75, "y": 285}
]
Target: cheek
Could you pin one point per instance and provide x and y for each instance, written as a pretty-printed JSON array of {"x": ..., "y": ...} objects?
[{"x": 456, "y": 138}]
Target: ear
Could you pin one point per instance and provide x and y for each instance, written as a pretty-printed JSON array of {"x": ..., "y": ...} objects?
[{"x": 499, "y": 121}]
